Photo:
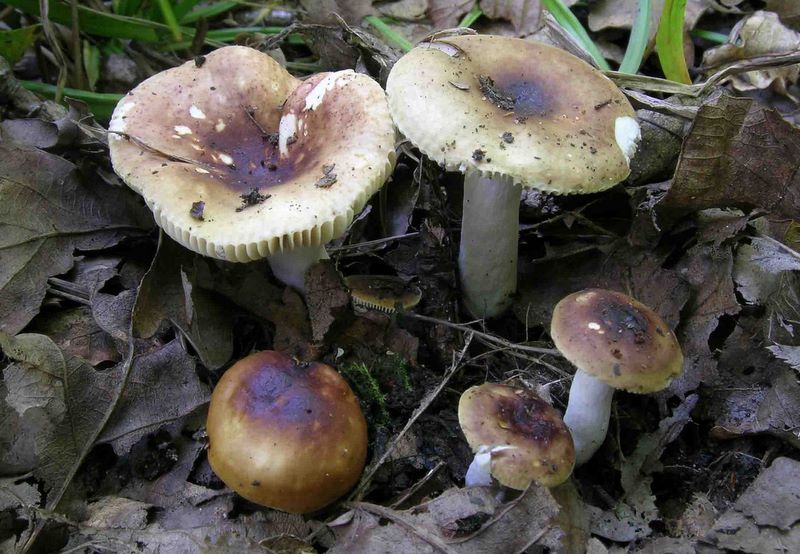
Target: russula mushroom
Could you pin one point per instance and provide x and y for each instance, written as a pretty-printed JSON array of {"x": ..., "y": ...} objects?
[
  {"x": 284, "y": 434},
  {"x": 382, "y": 292},
  {"x": 517, "y": 438},
  {"x": 238, "y": 160},
  {"x": 614, "y": 342},
  {"x": 508, "y": 112}
]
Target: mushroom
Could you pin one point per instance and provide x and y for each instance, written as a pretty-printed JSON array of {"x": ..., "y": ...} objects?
[
  {"x": 238, "y": 160},
  {"x": 284, "y": 434},
  {"x": 614, "y": 342},
  {"x": 382, "y": 292},
  {"x": 517, "y": 438},
  {"x": 508, "y": 112}
]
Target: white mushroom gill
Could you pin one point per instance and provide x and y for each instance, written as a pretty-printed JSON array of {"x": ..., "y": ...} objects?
[
  {"x": 627, "y": 134},
  {"x": 479, "y": 472}
]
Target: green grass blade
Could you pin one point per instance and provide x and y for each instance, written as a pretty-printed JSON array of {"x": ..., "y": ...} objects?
[
  {"x": 637, "y": 43},
  {"x": 170, "y": 19},
  {"x": 669, "y": 42},
  {"x": 221, "y": 36},
  {"x": 15, "y": 42},
  {"x": 101, "y": 104},
  {"x": 95, "y": 22},
  {"x": 567, "y": 19},
  {"x": 126, "y": 7},
  {"x": 212, "y": 10},
  {"x": 710, "y": 36},
  {"x": 472, "y": 16},
  {"x": 397, "y": 40}
]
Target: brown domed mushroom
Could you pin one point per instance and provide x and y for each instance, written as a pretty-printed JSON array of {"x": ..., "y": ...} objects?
[
  {"x": 284, "y": 434},
  {"x": 517, "y": 438},
  {"x": 509, "y": 112},
  {"x": 615, "y": 342},
  {"x": 382, "y": 292},
  {"x": 239, "y": 160}
]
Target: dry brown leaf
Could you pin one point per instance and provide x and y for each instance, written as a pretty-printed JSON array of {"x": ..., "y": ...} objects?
[
  {"x": 788, "y": 10},
  {"x": 352, "y": 11},
  {"x": 446, "y": 14},
  {"x": 760, "y": 34},
  {"x": 525, "y": 15},
  {"x": 619, "y": 14},
  {"x": 764, "y": 520},
  {"x": 737, "y": 154}
]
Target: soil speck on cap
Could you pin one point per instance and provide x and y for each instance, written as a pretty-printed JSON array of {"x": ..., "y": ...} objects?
[
  {"x": 197, "y": 210},
  {"x": 252, "y": 198},
  {"x": 199, "y": 61},
  {"x": 508, "y": 137},
  {"x": 328, "y": 177},
  {"x": 478, "y": 154},
  {"x": 602, "y": 104},
  {"x": 495, "y": 95}
]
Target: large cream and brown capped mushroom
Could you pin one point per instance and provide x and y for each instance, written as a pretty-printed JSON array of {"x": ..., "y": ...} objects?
[
  {"x": 614, "y": 342},
  {"x": 239, "y": 160},
  {"x": 509, "y": 112},
  {"x": 517, "y": 438}
]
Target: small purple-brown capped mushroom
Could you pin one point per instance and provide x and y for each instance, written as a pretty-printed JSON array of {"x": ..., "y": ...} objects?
[
  {"x": 517, "y": 438},
  {"x": 615, "y": 342}
]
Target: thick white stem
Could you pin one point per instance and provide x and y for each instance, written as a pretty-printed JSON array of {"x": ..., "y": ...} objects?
[
  {"x": 290, "y": 267},
  {"x": 587, "y": 415},
  {"x": 487, "y": 258}
]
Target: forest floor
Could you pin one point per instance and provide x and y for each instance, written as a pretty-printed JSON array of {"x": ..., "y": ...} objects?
[{"x": 113, "y": 336}]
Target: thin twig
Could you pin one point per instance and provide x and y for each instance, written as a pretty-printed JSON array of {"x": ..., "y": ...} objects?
[{"x": 492, "y": 339}]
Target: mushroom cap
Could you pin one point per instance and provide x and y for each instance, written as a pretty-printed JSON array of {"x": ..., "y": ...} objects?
[
  {"x": 616, "y": 339},
  {"x": 382, "y": 292},
  {"x": 498, "y": 415},
  {"x": 285, "y": 434},
  {"x": 313, "y": 151},
  {"x": 507, "y": 106}
]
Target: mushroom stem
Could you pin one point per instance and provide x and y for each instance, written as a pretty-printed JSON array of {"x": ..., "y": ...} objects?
[
  {"x": 489, "y": 236},
  {"x": 587, "y": 415},
  {"x": 290, "y": 267}
]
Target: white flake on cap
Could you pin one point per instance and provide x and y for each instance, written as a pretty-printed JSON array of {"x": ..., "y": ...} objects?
[
  {"x": 314, "y": 98},
  {"x": 286, "y": 129},
  {"x": 196, "y": 112},
  {"x": 627, "y": 134}
]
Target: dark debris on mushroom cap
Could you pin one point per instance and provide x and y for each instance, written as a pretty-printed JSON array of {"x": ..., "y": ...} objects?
[
  {"x": 498, "y": 415},
  {"x": 616, "y": 339}
]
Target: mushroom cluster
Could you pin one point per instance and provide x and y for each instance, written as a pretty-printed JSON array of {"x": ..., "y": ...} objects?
[
  {"x": 507, "y": 113},
  {"x": 239, "y": 160}
]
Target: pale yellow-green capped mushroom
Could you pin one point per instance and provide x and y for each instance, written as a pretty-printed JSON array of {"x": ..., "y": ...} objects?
[
  {"x": 509, "y": 112},
  {"x": 239, "y": 160}
]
